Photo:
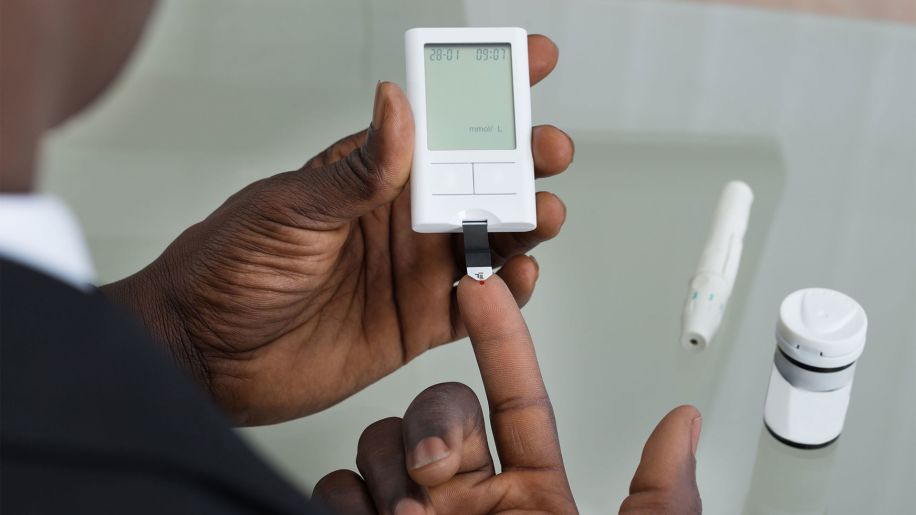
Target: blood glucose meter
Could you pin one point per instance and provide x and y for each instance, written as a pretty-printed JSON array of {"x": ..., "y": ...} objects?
[{"x": 472, "y": 164}]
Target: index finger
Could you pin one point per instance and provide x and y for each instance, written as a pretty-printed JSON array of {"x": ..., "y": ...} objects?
[
  {"x": 542, "y": 57},
  {"x": 524, "y": 427}
]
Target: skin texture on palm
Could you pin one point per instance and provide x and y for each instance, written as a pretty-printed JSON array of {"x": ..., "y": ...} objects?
[
  {"x": 307, "y": 286},
  {"x": 436, "y": 459}
]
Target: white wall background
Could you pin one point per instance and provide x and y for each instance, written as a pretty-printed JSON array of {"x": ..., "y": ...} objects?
[{"x": 667, "y": 100}]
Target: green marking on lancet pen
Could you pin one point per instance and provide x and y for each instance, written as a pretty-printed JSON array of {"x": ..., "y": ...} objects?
[
  {"x": 711, "y": 295},
  {"x": 695, "y": 294}
]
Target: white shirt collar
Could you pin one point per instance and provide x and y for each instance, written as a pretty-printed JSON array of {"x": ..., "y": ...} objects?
[{"x": 40, "y": 232}]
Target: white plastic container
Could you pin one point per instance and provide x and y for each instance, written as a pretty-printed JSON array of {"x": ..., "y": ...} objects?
[{"x": 819, "y": 336}]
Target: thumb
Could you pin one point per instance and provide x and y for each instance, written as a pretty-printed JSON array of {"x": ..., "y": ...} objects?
[
  {"x": 368, "y": 176},
  {"x": 665, "y": 482}
]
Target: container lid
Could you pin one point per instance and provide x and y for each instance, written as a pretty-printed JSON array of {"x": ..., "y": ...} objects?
[{"x": 822, "y": 328}]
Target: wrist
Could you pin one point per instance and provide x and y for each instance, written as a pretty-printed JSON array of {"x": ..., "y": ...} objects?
[{"x": 153, "y": 302}]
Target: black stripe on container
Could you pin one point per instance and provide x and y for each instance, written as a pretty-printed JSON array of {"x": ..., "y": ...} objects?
[
  {"x": 805, "y": 446},
  {"x": 811, "y": 368}
]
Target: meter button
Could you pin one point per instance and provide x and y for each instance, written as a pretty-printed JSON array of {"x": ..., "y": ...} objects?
[
  {"x": 451, "y": 179},
  {"x": 496, "y": 178}
]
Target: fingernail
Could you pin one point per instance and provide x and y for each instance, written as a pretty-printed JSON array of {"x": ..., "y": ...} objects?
[
  {"x": 408, "y": 506},
  {"x": 695, "y": 429},
  {"x": 430, "y": 450},
  {"x": 378, "y": 108}
]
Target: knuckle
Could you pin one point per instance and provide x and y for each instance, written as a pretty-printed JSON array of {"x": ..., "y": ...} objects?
[
  {"x": 342, "y": 491},
  {"x": 313, "y": 194},
  {"x": 322, "y": 187},
  {"x": 446, "y": 402},
  {"x": 321, "y": 159},
  {"x": 335, "y": 481},
  {"x": 377, "y": 440},
  {"x": 520, "y": 403},
  {"x": 337, "y": 150},
  {"x": 365, "y": 176},
  {"x": 279, "y": 199},
  {"x": 379, "y": 429},
  {"x": 449, "y": 393},
  {"x": 330, "y": 188},
  {"x": 446, "y": 410}
]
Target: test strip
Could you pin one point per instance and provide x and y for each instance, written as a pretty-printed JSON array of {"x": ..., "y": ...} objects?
[{"x": 477, "y": 249}]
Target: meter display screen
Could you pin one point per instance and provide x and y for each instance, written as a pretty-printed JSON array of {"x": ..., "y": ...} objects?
[{"x": 469, "y": 100}]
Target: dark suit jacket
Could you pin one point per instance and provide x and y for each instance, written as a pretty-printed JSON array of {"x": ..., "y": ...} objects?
[{"x": 95, "y": 418}]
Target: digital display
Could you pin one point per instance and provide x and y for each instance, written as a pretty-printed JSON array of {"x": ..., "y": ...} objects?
[{"x": 469, "y": 100}]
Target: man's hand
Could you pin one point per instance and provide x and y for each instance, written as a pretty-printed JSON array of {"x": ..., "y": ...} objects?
[
  {"x": 437, "y": 460},
  {"x": 309, "y": 285}
]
